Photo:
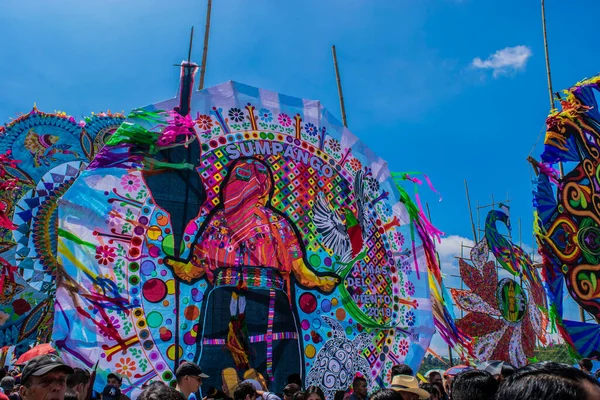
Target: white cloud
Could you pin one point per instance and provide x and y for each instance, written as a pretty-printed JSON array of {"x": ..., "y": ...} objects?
[
  {"x": 449, "y": 249},
  {"x": 505, "y": 61}
]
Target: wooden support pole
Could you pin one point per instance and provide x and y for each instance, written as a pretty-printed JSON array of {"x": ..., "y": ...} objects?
[
  {"x": 339, "y": 85},
  {"x": 205, "y": 49},
  {"x": 547, "y": 56},
  {"x": 470, "y": 212},
  {"x": 191, "y": 42}
]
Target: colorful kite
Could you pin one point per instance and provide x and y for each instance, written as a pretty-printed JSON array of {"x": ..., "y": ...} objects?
[
  {"x": 240, "y": 228},
  {"x": 568, "y": 213},
  {"x": 44, "y": 153},
  {"x": 505, "y": 316}
]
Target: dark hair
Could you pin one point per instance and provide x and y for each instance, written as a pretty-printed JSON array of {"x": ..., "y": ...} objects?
[
  {"x": 298, "y": 396},
  {"x": 440, "y": 387},
  {"x": 358, "y": 379},
  {"x": 339, "y": 395},
  {"x": 586, "y": 363},
  {"x": 78, "y": 376},
  {"x": 243, "y": 390},
  {"x": 160, "y": 392},
  {"x": 431, "y": 389},
  {"x": 71, "y": 394},
  {"x": 291, "y": 388},
  {"x": 402, "y": 369},
  {"x": 386, "y": 394},
  {"x": 313, "y": 389},
  {"x": 113, "y": 375},
  {"x": 295, "y": 378},
  {"x": 598, "y": 374},
  {"x": 2, "y": 373},
  {"x": 507, "y": 370},
  {"x": 546, "y": 380},
  {"x": 474, "y": 385},
  {"x": 432, "y": 374}
]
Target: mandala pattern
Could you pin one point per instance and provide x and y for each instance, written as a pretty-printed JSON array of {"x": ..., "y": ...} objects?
[
  {"x": 568, "y": 215},
  {"x": 154, "y": 291},
  {"x": 503, "y": 317}
]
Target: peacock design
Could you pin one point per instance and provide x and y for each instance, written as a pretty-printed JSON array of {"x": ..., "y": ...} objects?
[
  {"x": 339, "y": 360},
  {"x": 504, "y": 317},
  {"x": 43, "y": 147}
]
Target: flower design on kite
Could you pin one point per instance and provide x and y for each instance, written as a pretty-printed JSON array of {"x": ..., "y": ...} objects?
[
  {"x": 310, "y": 129},
  {"x": 284, "y": 120},
  {"x": 125, "y": 367},
  {"x": 236, "y": 115},
  {"x": 204, "y": 122},
  {"x": 403, "y": 347},
  {"x": 334, "y": 145},
  {"x": 502, "y": 317},
  {"x": 105, "y": 254},
  {"x": 265, "y": 115},
  {"x": 130, "y": 183},
  {"x": 355, "y": 165}
]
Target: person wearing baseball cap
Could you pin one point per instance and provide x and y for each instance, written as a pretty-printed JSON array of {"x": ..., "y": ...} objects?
[
  {"x": 111, "y": 392},
  {"x": 408, "y": 387},
  {"x": 189, "y": 379},
  {"x": 116, "y": 381},
  {"x": 44, "y": 378}
]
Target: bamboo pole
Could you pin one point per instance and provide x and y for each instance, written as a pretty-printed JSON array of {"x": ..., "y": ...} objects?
[
  {"x": 339, "y": 85},
  {"x": 550, "y": 92},
  {"x": 205, "y": 49},
  {"x": 191, "y": 41},
  {"x": 470, "y": 212}
]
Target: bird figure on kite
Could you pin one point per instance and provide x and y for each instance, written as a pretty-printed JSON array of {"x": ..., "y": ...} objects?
[
  {"x": 43, "y": 147},
  {"x": 249, "y": 252}
]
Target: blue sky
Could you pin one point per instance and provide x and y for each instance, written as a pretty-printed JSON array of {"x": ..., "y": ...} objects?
[{"x": 421, "y": 82}]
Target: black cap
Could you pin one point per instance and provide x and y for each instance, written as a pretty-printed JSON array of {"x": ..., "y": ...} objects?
[
  {"x": 41, "y": 365},
  {"x": 189, "y": 369},
  {"x": 111, "y": 392}
]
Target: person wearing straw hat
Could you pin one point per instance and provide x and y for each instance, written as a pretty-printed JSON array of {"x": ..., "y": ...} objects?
[{"x": 408, "y": 387}]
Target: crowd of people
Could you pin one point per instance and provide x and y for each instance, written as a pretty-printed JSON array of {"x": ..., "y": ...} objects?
[{"x": 47, "y": 377}]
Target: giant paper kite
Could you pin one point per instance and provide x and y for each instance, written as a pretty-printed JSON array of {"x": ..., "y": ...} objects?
[
  {"x": 505, "y": 316},
  {"x": 44, "y": 153},
  {"x": 240, "y": 228},
  {"x": 568, "y": 213}
]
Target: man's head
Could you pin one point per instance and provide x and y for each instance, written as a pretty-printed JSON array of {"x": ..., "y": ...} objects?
[
  {"x": 160, "y": 391},
  {"x": 549, "y": 380},
  {"x": 474, "y": 385},
  {"x": 290, "y": 390},
  {"x": 7, "y": 384},
  {"x": 434, "y": 377},
  {"x": 44, "y": 378},
  {"x": 386, "y": 394},
  {"x": 79, "y": 381},
  {"x": 434, "y": 392},
  {"x": 400, "y": 369},
  {"x": 408, "y": 387},
  {"x": 114, "y": 380},
  {"x": 586, "y": 365},
  {"x": 189, "y": 378},
  {"x": 245, "y": 391},
  {"x": 359, "y": 386},
  {"x": 111, "y": 392}
]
